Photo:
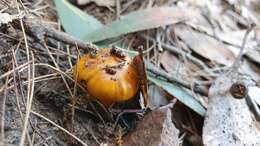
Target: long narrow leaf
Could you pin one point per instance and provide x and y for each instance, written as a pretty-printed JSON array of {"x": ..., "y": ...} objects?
[
  {"x": 76, "y": 22},
  {"x": 139, "y": 20}
]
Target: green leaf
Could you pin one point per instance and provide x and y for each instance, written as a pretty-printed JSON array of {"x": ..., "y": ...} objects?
[
  {"x": 139, "y": 20},
  {"x": 76, "y": 22},
  {"x": 179, "y": 93}
]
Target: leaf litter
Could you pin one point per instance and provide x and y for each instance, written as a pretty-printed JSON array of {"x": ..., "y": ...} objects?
[{"x": 194, "y": 41}]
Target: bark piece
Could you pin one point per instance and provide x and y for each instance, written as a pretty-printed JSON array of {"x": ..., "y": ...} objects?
[
  {"x": 156, "y": 129},
  {"x": 229, "y": 121}
]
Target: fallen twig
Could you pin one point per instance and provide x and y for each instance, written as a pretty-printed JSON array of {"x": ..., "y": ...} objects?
[
  {"x": 155, "y": 70},
  {"x": 40, "y": 31},
  {"x": 237, "y": 62}
]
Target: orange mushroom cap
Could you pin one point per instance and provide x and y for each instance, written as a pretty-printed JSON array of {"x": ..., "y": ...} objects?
[{"x": 109, "y": 76}]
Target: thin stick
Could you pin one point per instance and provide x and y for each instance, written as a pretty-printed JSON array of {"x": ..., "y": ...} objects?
[
  {"x": 57, "y": 66},
  {"x": 157, "y": 71},
  {"x": 15, "y": 69},
  {"x": 118, "y": 7},
  {"x": 69, "y": 56},
  {"x": 239, "y": 57},
  {"x": 74, "y": 90},
  {"x": 179, "y": 51},
  {"x": 40, "y": 31},
  {"x": 61, "y": 72}
]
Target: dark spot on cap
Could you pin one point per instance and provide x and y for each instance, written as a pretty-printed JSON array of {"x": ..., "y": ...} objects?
[
  {"x": 89, "y": 63},
  {"x": 113, "y": 79},
  {"x": 93, "y": 53},
  {"x": 116, "y": 52},
  {"x": 110, "y": 71}
]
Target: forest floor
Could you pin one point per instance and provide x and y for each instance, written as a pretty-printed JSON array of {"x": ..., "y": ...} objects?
[{"x": 191, "y": 51}]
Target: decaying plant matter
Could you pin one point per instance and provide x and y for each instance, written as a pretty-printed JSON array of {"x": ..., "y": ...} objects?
[{"x": 181, "y": 62}]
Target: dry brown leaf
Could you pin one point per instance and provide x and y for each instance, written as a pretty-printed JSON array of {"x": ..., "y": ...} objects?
[
  {"x": 170, "y": 62},
  {"x": 236, "y": 38},
  {"x": 254, "y": 54},
  {"x": 157, "y": 97},
  {"x": 173, "y": 65},
  {"x": 251, "y": 70},
  {"x": 206, "y": 46}
]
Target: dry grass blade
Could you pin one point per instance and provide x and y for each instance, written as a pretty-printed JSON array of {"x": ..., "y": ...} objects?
[
  {"x": 15, "y": 69},
  {"x": 3, "y": 112},
  {"x": 14, "y": 62},
  {"x": 60, "y": 72},
  {"x": 75, "y": 87},
  {"x": 61, "y": 128},
  {"x": 28, "y": 104},
  {"x": 57, "y": 66},
  {"x": 29, "y": 93}
]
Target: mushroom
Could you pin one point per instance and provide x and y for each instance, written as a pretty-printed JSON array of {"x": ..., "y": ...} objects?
[{"x": 109, "y": 75}]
